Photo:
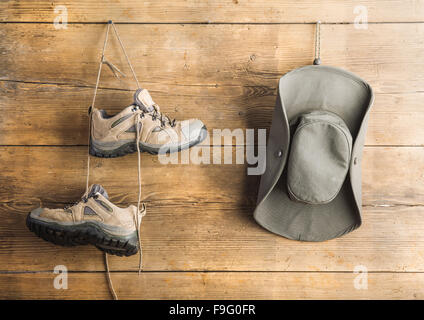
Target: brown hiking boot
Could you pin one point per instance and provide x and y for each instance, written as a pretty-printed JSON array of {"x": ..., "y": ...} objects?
[
  {"x": 94, "y": 220},
  {"x": 114, "y": 136}
]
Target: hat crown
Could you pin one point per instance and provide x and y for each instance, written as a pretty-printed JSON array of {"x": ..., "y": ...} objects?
[{"x": 319, "y": 157}]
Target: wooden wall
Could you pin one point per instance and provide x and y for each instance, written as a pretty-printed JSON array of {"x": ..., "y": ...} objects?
[{"x": 219, "y": 61}]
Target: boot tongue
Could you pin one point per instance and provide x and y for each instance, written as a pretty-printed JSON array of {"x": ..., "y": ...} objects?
[
  {"x": 143, "y": 99},
  {"x": 97, "y": 188}
]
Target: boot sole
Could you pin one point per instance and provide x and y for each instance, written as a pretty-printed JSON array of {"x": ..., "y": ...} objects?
[
  {"x": 132, "y": 147},
  {"x": 82, "y": 234}
]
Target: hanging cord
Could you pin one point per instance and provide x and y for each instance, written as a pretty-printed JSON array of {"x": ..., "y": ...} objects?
[
  {"x": 138, "y": 216},
  {"x": 125, "y": 53},
  {"x": 317, "y": 60},
  {"x": 90, "y": 109},
  {"x": 109, "y": 279}
]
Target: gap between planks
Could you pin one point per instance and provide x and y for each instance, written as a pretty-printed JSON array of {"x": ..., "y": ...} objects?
[
  {"x": 207, "y": 271},
  {"x": 214, "y": 23},
  {"x": 71, "y": 85}
]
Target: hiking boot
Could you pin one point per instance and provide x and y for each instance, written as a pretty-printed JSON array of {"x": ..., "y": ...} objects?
[
  {"x": 114, "y": 136},
  {"x": 94, "y": 220}
]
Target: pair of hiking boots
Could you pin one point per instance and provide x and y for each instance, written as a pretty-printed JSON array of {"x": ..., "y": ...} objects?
[{"x": 95, "y": 220}]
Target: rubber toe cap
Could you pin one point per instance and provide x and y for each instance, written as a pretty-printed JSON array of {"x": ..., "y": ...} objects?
[
  {"x": 195, "y": 129},
  {"x": 36, "y": 213}
]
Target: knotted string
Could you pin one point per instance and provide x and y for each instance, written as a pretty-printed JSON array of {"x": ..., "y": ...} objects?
[
  {"x": 125, "y": 53},
  {"x": 138, "y": 217}
]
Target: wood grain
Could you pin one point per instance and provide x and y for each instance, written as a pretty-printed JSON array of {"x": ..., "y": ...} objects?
[
  {"x": 252, "y": 11},
  {"x": 244, "y": 285},
  {"x": 65, "y": 108},
  {"x": 205, "y": 55},
  {"x": 219, "y": 61},
  {"x": 57, "y": 174},
  {"x": 206, "y": 238}
]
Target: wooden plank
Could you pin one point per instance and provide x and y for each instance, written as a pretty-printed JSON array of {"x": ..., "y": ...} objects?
[
  {"x": 57, "y": 174},
  {"x": 218, "y": 205},
  {"x": 396, "y": 119},
  {"x": 228, "y": 285},
  {"x": 208, "y": 238},
  {"x": 48, "y": 114},
  {"x": 194, "y": 69},
  {"x": 213, "y": 11},
  {"x": 27, "y": 168},
  {"x": 204, "y": 55},
  {"x": 219, "y": 108}
]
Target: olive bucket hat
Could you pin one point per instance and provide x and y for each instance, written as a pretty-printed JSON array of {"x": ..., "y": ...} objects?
[{"x": 311, "y": 188}]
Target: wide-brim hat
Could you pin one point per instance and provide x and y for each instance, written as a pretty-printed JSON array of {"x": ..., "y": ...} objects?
[{"x": 311, "y": 187}]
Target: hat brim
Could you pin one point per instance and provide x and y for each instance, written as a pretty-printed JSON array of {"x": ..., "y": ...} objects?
[{"x": 304, "y": 90}]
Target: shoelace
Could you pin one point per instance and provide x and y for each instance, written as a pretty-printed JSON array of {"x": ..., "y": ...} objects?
[
  {"x": 137, "y": 216},
  {"x": 137, "y": 221},
  {"x": 164, "y": 120},
  {"x": 156, "y": 114}
]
